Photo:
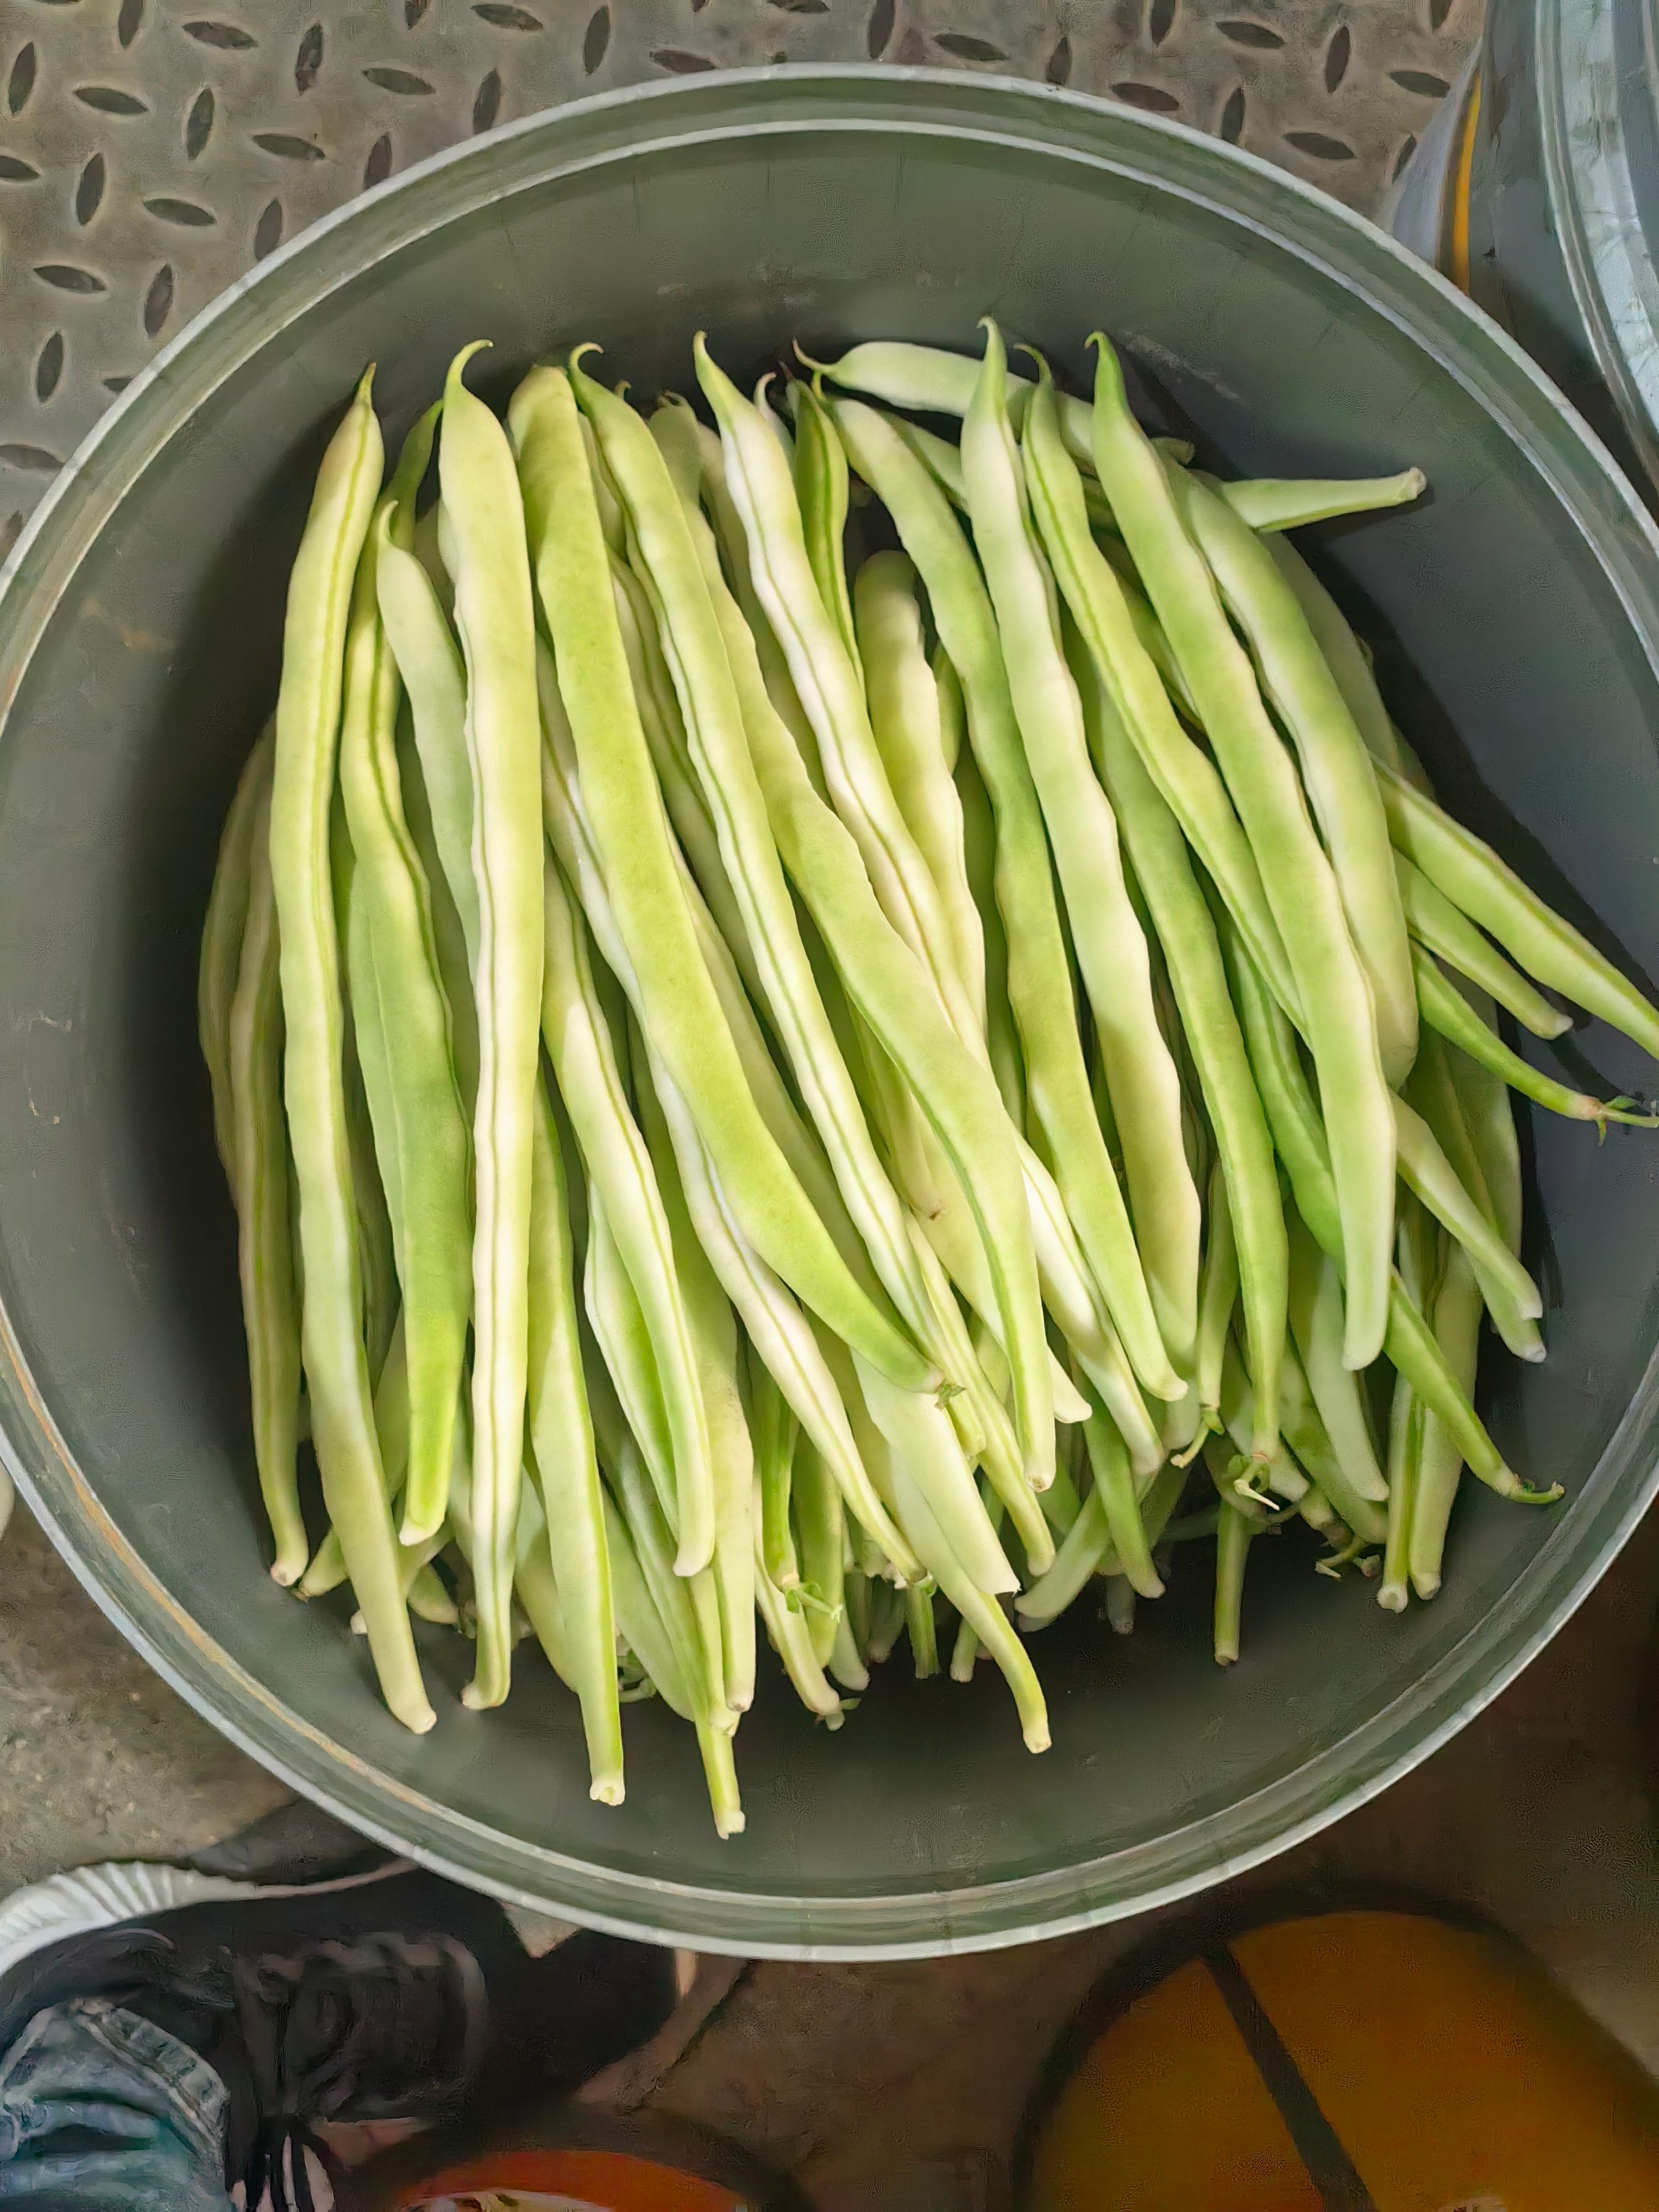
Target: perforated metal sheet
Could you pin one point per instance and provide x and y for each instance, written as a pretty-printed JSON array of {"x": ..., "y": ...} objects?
[{"x": 150, "y": 150}]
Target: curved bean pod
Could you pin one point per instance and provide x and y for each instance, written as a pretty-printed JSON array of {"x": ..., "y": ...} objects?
[
  {"x": 1447, "y": 932},
  {"x": 1269, "y": 503},
  {"x": 1186, "y": 930},
  {"x": 1301, "y": 885},
  {"x": 680, "y": 1008},
  {"x": 828, "y": 682},
  {"x": 579, "y": 1045},
  {"x": 1336, "y": 768},
  {"x": 1083, "y": 834},
  {"x": 415, "y": 1108},
  {"x": 1039, "y": 982},
  {"x": 1446, "y": 1009},
  {"x": 1474, "y": 877},
  {"x": 906, "y": 719},
  {"x": 1510, "y": 1294}
]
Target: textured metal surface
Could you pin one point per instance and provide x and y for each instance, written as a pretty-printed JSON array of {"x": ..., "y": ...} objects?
[{"x": 151, "y": 150}]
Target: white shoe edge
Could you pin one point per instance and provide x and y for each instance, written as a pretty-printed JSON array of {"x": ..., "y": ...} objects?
[{"x": 83, "y": 1900}]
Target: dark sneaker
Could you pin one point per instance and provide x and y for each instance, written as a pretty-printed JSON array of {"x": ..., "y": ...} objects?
[{"x": 382, "y": 1996}]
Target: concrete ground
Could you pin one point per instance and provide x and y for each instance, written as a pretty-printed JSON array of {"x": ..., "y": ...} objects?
[{"x": 903, "y": 2084}]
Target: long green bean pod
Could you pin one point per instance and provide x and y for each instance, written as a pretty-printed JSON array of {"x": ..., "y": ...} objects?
[
  {"x": 583, "y": 1054},
  {"x": 793, "y": 1641},
  {"x": 1269, "y": 503},
  {"x": 1129, "y": 647},
  {"x": 718, "y": 678},
  {"x": 1334, "y": 1001},
  {"x": 1039, "y": 978},
  {"x": 1446, "y": 1009},
  {"x": 1433, "y": 1092},
  {"x": 688, "y": 810},
  {"x": 1446, "y": 931},
  {"x": 823, "y": 490},
  {"x": 1488, "y": 1116},
  {"x": 989, "y": 1620},
  {"x": 420, "y": 1134},
  {"x": 1343, "y": 654},
  {"x": 775, "y": 1434},
  {"x": 565, "y": 813},
  {"x": 828, "y": 682},
  {"x": 566, "y": 1467},
  {"x": 733, "y": 542},
  {"x": 618, "y": 1325},
  {"x": 932, "y": 381},
  {"x": 302, "y": 783},
  {"x": 1336, "y": 768},
  {"x": 779, "y": 1332},
  {"x": 1077, "y": 1560},
  {"x": 821, "y": 1548},
  {"x": 731, "y": 1446},
  {"x": 680, "y": 1009},
  {"x": 1186, "y": 931},
  {"x": 434, "y": 681},
  {"x": 1218, "y": 1294},
  {"x": 905, "y": 716},
  {"x": 376, "y": 1260},
  {"x": 955, "y": 1091},
  {"x": 1083, "y": 834},
  {"x": 1114, "y": 1487},
  {"x": 495, "y": 615},
  {"x": 1310, "y": 1440},
  {"x": 1457, "y": 1310},
  {"x": 774, "y": 1320},
  {"x": 1317, "y": 1327},
  {"x": 671, "y": 1599},
  {"x": 1474, "y": 879},
  {"x": 1410, "y": 1343},
  {"x": 1510, "y": 1293},
  {"x": 221, "y": 939},
  {"x": 979, "y": 845},
  {"x": 259, "y": 1176}
]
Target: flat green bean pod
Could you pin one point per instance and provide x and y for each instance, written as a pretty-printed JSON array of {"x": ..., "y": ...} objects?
[
  {"x": 495, "y": 615},
  {"x": 221, "y": 938},
  {"x": 680, "y": 1009},
  {"x": 1268, "y": 503},
  {"x": 1039, "y": 979},
  {"x": 259, "y": 1175},
  {"x": 420, "y": 1134},
  {"x": 1471, "y": 877},
  {"x": 1447, "y": 932},
  {"x": 830, "y": 683},
  {"x": 584, "y": 1060},
  {"x": 1336, "y": 768},
  {"x": 1083, "y": 833},
  {"x": 566, "y": 1466},
  {"x": 302, "y": 784},
  {"x": 1332, "y": 992}
]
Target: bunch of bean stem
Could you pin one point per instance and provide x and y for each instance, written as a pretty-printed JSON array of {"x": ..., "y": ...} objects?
[{"x": 809, "y": 1018}]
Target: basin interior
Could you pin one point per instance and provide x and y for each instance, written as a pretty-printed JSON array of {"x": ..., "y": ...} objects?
[{"x": 1511, "y": 665}]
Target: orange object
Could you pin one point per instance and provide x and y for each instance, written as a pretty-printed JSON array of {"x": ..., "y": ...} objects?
[
  {"x": 1364, "y": 2060},
  {"x": 595, "y": 2180}
]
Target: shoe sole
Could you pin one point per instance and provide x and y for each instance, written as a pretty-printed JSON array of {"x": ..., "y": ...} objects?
[{"x": 86, "y": 1900}]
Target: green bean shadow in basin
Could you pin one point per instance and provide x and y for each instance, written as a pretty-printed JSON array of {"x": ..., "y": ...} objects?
[{"x": 139, "y": 628}]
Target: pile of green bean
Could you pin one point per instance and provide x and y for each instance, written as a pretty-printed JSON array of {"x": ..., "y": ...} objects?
[{"x": 815, "y": 1020}]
